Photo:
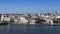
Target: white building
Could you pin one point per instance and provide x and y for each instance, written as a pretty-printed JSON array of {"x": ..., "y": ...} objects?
[
  {"x": 23, "y": 20},
  {"x": 32, "y": 21},
  {"x": 5, "y": 18},
  {"x": 58, "y": 17},
  {"x": 49, "y": 21}
]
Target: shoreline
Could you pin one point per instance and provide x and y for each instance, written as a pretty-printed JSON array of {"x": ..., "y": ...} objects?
[
  {"x": 39, "y": 24},
  {"x": 54, "y": 24}
]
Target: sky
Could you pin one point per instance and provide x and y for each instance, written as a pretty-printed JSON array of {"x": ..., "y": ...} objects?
[{"x": 29, "y": 6}]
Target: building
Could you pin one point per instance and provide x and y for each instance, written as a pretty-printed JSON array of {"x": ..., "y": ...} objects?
[{"x": 5, "y": 18}]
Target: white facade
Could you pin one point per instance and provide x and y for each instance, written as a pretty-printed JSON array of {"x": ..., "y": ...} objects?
[
  {"x": 32, "y": 21},
  {"x": 42, "y": 15},
  {"x": 49, "y": 21},
  {"x": 47, "y": 16},
  {"x": 23, "y": 20},
  {"x": 15, "y": 20},
  {"x": 58, "y": 17},
  {"x": 6, "y": 18}
]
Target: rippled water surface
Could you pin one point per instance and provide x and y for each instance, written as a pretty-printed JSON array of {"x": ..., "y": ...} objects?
[{"x": 29, "y": 29}]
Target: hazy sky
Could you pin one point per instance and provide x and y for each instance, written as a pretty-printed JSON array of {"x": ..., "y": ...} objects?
[{"x": 29, "y": 6}]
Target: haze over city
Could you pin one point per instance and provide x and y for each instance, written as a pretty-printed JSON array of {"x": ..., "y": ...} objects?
[{"x": 29, "y": 6}]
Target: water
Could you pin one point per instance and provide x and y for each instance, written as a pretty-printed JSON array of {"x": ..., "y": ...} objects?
[{"x": 29, "y": 29}]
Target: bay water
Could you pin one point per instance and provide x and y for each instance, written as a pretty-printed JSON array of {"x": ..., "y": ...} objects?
[{"x": 29, "y": 29}]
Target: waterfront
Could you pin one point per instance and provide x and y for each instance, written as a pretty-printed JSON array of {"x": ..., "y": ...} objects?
[{"x": 28, "y": 29}]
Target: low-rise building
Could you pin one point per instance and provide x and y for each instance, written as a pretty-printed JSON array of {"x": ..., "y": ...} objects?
[
  {"x": 7, "y": 19},
  {"x": 23, "y": 20}
]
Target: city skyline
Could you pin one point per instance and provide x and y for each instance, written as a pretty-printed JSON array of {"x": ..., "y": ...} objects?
[{"x": 29, "y": 6}]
